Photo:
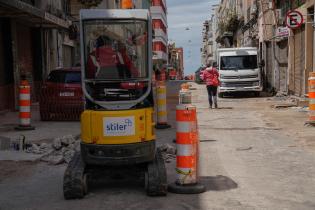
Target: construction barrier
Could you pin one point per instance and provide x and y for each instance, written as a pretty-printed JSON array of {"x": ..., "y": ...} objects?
[
  {"x": 311, "y": 95},
  {"x": 185, "y": 86},
  {"x": 25, "y": 106},
  {"x": 126, "y": 4},
  {"x": 187, "y": 142},
  {"x": 185, "y": 96},
  {"x": 161, "y": 106}
]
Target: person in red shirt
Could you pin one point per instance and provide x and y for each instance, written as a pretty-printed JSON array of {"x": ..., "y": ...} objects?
[
  {"x": 211, "y": 77},
  {"x": 111, "y": 56}
]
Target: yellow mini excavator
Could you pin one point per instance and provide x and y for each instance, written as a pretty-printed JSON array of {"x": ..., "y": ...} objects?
[{"x": 117, "y": 126}]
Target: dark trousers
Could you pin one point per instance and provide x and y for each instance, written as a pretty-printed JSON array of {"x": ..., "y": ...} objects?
[{"x": 212, "y": 94}]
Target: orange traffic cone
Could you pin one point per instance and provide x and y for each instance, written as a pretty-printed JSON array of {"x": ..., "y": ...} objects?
[{"x": 25, "y": 106}]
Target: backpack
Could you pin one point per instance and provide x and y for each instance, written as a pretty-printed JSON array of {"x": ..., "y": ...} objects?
[{"x": 214, "y": 79}]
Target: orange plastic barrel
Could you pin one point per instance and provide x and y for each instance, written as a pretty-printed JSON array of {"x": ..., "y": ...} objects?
[
  {"x": 25, "y": 106},
  {"x": 126, "y": 4},
  {"x": 185, "y": 86},
  {"x": 311, "y": 95},
  {"x": 187, "y": 144}
]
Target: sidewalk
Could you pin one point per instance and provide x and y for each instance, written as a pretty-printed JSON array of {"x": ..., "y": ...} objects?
[{"x": 45, "y": 131}]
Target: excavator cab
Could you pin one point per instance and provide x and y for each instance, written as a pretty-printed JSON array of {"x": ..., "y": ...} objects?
[{"x": 117, "y": 126}]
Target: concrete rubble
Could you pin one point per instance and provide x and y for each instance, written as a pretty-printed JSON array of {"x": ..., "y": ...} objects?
[
  {"x": 168, "y": 152},
  {"x": 60, "y": 151}
]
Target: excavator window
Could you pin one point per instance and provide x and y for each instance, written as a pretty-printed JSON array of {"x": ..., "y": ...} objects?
[
  {"x": 115, "y": 51},
  {"x": 116, "y": 59}
]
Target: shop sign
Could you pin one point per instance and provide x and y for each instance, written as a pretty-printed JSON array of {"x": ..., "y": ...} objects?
[{"x": 282, "y": 32}]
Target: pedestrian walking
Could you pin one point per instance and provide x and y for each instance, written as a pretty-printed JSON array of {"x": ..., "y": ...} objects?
[{"x": 211, "y": 77}]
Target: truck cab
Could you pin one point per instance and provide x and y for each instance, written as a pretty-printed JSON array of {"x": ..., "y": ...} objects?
[{"x": 239, "y": 70}]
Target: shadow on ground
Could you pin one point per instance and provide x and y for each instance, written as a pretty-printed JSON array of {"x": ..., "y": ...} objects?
[
  {"x": 218, "y": 183},
  {"x": 240, "y": 95}
]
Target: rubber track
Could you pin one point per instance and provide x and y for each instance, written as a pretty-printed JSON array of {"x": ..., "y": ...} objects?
[
  {"x": 157, "y": 177},
  {"x": 73, "y": 186}
]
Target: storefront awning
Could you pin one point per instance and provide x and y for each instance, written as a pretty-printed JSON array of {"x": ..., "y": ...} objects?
[{"x": 26, "y": 12}]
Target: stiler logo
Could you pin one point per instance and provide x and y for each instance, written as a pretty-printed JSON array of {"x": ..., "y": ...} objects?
[{"x": 119, "y": 126}]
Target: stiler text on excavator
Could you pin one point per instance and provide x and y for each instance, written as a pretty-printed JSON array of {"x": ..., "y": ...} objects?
[{"x": 117, "y": 125}]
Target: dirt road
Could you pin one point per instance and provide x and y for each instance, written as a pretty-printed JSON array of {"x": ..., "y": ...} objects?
[{"x": 252, "y": 157}]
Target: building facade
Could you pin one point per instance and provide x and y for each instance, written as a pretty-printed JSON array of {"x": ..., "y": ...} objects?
[
  {"x": 33, "y": 40},
  {"x": 209, "y": 45},
  {"x": 37, "y": 36},
  {"x": 160, "y": 57},
  {"x": 175, "y": 62},
  {"x": 286, "y": 55}
]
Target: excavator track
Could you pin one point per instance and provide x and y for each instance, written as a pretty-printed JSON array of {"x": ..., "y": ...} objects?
[
  {"x": 75, "y": 179},
  {"x": 155, "y": 177}
]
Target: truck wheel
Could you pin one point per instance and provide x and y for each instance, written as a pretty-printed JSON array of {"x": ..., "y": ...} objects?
[{"x": 257, "y": 94}]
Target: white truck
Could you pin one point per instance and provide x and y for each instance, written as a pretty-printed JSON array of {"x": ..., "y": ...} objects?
[{"x": 239, "y": 70}]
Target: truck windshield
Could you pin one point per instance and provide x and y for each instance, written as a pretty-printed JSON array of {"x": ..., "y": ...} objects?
[
  {"x": 115, "y": 50},
  {"x": 238, "y": 62}
]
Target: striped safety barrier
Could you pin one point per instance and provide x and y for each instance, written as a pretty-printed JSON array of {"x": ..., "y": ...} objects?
[
  {"x": 185, "y": 86},
  {"x": 311, "y": 95},
  {"x": 161, "y": 106},
  {"x": 25, "y": 106},
  {"x": 126, "y": 4},
  {"x": 187, "y": 143},
  {"x": 185, "y": 95}
]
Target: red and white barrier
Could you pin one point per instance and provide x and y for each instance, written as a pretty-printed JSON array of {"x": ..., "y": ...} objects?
[
  {"x": 187, "y": 143},
  {"x": 311, "y": 95},
  {"x": 25, "y": 106}
]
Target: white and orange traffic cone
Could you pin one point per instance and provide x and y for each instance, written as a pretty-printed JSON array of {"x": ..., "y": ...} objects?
[
  {"x": 126, "y": 4},
  {"x": 311, "y": 95},
  {"x": 187, "y": 142},
  {"x": 185, "y": 95},
  {"x": 25, "y": 106}
]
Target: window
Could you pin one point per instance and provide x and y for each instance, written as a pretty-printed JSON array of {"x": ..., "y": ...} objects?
[
  {"x": 238, "y": 62},
  {"x": 115, "y": 50},
  {"x": 60, "y": 76}
]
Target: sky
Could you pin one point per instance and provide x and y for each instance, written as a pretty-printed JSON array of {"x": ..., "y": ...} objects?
[{"x": 191, "y": 14}]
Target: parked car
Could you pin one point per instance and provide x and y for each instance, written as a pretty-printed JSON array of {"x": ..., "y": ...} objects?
[{"x": 61, "y": 96}]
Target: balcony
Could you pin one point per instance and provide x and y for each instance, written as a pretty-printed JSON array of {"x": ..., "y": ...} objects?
[
  {"x": 159, "y": 55},
  {"x": 160, "y": 35},
  {"x": 157, "y": 12},
  {"x": 160, "y": 3}
]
